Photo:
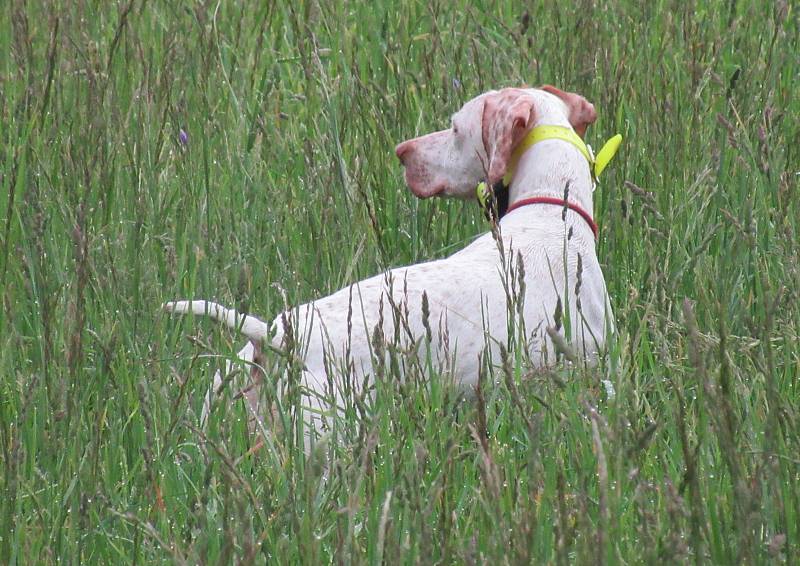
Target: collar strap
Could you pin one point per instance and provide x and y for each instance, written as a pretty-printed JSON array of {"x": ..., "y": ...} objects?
[
  {"x": 542, "y": 133},
  {"x": 559, "y": 202},
  {"x": 494, "y": 200}
]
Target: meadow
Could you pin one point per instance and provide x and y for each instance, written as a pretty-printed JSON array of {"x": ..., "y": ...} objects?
[{"x": 244, "y": 152}]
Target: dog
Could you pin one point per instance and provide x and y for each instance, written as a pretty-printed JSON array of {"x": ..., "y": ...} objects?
[{"x": 540, "y": 256}]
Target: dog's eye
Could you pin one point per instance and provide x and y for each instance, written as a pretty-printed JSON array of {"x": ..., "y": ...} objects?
[{"x": 455, "y": 128}]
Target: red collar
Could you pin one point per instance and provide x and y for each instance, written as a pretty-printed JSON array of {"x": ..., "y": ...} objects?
[{"x": 560, "y": 202}]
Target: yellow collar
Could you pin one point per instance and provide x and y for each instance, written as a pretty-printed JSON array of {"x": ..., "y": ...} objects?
[
  {"x": 597, "y": 163},
  {"x": 540, "y": 133}
]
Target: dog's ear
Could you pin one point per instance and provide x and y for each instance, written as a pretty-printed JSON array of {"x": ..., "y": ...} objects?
[
  {"x": 508, "y": 116},
  {"x": 581, "y": 111}
]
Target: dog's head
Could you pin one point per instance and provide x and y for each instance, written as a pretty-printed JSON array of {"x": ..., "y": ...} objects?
[{"x": 482, "y": 137}]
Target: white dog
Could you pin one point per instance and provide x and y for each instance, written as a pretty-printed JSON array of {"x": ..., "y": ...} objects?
[{"x": 541, "y": 257}]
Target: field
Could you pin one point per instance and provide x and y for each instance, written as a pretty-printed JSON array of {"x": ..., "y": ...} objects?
[{"x": 244, "y": 152}]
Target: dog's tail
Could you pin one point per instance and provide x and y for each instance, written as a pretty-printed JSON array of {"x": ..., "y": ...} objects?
[{"x": 252, "y": 327}]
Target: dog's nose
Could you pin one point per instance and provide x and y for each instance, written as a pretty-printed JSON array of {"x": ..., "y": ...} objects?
[{"x": 402, "y": 149}]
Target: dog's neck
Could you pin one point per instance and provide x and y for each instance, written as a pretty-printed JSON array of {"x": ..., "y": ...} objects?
[{"x": 545, "y": 169}]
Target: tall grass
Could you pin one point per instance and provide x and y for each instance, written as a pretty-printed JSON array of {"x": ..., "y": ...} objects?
[{"x": 283, "y": 187}]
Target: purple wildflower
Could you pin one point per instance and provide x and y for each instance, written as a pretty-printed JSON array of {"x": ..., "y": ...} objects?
[{"x": 183, "y": 137}]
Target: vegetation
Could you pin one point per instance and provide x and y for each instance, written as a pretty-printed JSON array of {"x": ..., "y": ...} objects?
[{"x": 244, "y": 152}]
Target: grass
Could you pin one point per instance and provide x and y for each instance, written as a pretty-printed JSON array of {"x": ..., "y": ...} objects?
[{"x": 288, "y": 187}]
